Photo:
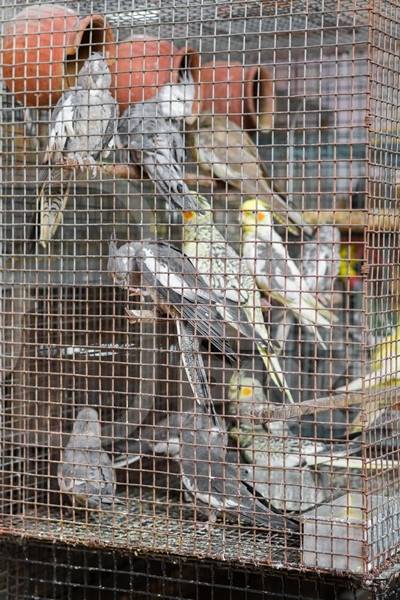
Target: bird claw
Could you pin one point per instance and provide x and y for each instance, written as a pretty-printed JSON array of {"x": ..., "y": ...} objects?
[
  {"x": 208, "y": 526},
  {"x": 89, "y": 163},
  {"x": 82, "y": 163},
  {"x": 72, "y": 163},
  {"x": 141, "y": 316},
  {"x": 135, "y": 291}
]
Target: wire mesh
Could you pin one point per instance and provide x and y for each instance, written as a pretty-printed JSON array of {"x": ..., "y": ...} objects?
[
  {"x": 200, "y": 279},
  {"x": 38, "y": 570}
]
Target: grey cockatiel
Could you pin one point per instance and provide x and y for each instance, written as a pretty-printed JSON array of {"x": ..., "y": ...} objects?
[
  {"x": 293, "y": 474},
  {"x": 228, "y": 153},
  {"x": 285, "y": 469},
  {"x": 83, "y": 126},
  {"x": 170, "y": 279},
  {"x": 151, "y": 135},
  {"x": 320, "y": 259},
  {"x": 215, "y": 483},
  {"x": 85, "y": 471},
  {"x": 176, "y": 289}
]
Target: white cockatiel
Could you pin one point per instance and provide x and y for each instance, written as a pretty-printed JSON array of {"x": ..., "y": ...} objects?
[{"x": 267, "y": 258}]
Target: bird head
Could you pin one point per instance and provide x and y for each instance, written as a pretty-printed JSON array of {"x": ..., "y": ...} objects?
[
  {"x": 244, "y": 393},
  {"x": 255, "y": 217},
  {"x": 196, "y": 210},
  {"x": 122, "y": 263},
  {"x": 176, "y": 100},
  {"x": 95, "y": 73},
  {"x": 87, "y": 425}
]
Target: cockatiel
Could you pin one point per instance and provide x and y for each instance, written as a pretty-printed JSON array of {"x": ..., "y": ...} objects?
[
  {"x": 85, "y": 472},
  {"x": 83, "y": 127},
  {"x": 267, "y": 258}
]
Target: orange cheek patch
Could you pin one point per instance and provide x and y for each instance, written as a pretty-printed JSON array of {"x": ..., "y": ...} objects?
[
  {"x": 246, "y": 392},
  {"x": 261, "y": 216},
  {"x": 188, "y": 215}
]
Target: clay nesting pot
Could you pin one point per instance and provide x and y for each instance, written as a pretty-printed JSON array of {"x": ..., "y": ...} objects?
[
  {"x": 142, "y": 65},
  {"x": 41, "y": 47},
  {"x": 243, "y": 93}
]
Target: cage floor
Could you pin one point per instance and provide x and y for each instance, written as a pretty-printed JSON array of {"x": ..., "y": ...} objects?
[{"x": 144, "y": 529}]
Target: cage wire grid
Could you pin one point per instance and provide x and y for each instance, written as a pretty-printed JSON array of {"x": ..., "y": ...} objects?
[
  {"x": 104, "y": 575},
  {"x": 199, "y": 347}
]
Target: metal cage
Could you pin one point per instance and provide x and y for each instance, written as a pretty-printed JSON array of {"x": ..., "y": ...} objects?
[
  {"x": 200, "y": 243},
  {"x": 43, "y": 570}
]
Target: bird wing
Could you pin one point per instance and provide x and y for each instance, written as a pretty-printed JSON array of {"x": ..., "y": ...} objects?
[
  {"x": 178, "y": 144},
  {"x": 77, "y": 467},
  {"x": 109, "y": 119},
  {"x": 167, "y": 260},
  {"x": 158, "y": 144},
  {"x": 278, "y": 273},
  {"x": 62, "y": 124},
  {"x": 320, "y": 258},
  {"x": 107, "y": 473},
  {"x": 178, "y": 285},
  {"x": 94, "y": 112},
  {"x": 193, "y": 362}
]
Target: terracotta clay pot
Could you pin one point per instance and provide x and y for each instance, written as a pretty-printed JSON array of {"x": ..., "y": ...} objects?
[
  {"x": 41, "y": 47},
  {"x": 243, "y": 93},
  {"x": 142, "y": 65}
]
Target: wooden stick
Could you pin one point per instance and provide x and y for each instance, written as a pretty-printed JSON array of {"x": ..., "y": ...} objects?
[
  {"x": 280, "y": 412},
  {"x": 120, "y": 171},
  {"x": 355, "y": 219}
]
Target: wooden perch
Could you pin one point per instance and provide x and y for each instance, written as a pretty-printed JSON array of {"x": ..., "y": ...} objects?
[
  {"x": 356, "y": 220},
  {"x": 119, "y": 171},
  {"x": 368, "y": 400}
]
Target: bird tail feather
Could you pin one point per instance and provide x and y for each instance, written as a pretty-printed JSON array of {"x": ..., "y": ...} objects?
[
  {"x": 53, "y": 197},
  {"x": 298, "y": 222},
  {"x": 273, "y": 367},
  {"x": 266, "y": 518},
  {"x": 371, "y": 380}
]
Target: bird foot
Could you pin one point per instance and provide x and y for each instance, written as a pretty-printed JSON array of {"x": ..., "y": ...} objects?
[
  {"x": 141, "y": 316},
  {"x": 135, "y": 292},
  {"x": 71, "y": 163},
  {"x": 208, "y": 525},
  {"x": 89, "y": 163}
]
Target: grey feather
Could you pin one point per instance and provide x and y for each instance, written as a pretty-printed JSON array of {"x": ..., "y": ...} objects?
[
  {"x": 174, "y": 285},
  {"x": 83, "y": 123},
  {"x": 320, "y": 259},
  {"x": 293, "y": 474},
  {"x": 214, "y": 483},
  {"x": 85, "y": 472},
  {"x": 193, "y": 362},
  {"x": 151, "y": 135}
]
